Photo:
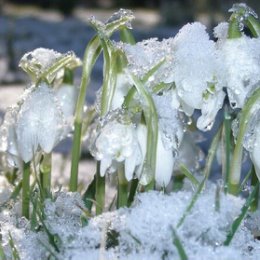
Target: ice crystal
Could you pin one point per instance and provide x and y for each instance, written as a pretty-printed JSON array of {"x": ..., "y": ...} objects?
[
  {"x": 241, "y": 60},
  {"x": 36, "y": 63},
  {"x": 198, "y": 85},
  {"x": 143, "y": 56}
]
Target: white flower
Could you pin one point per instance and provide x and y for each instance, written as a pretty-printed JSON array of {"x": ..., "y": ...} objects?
[
  {"x": 196, "y": 70},
  {"x": 40, "y": 121},
  {"x": 164, "y": 158},
  {"x": 241, "y": 62},
  {"x": 116, "y": 143}
]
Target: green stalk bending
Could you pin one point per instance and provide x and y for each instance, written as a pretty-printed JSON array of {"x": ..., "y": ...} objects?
[
  {"x": 151, "y": 119},
  {"x": 91, "y": 54},
  {"x": 26, "y": 191},
  {"x": 246, "y": 113}
]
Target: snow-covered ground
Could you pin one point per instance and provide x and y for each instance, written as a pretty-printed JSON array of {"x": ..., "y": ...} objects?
[{"x": 147, "y": 230}]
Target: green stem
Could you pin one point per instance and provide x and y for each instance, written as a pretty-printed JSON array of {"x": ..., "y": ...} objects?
[
  {"x": 91, "y": 54},
  {"x": 151, "y": 119},
  {"x": 233, "y": 29},
  {"x": 26, "y": 191},
  {"x": 45, "y": 175},
  {"x": 122, "y": 194},
  {"x": 253, "y": 25},
  {"x": 100, "y": 191},
  {"x": 227, "y": 127},
  {"x": 235, "y": 172},
  {"x": 132, "y": 192},
  {"x": 254, "y": 183},
  {"x": 75, "y": 156}
]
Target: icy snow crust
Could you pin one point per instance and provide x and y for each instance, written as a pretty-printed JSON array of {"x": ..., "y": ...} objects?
[{"x": 142, "y": 232}]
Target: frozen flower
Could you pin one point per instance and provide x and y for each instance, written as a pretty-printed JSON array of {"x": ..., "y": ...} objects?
[
  {"x": 164, "y": 158},
  {"x": 117, "y": 143},
  {"x": 195, "y": 72},
  {"x": 144, "y": 55},
  {"x": 37, "y": 63},
  {"x": 241, "y": 60},
  {"x": 40, "y": 121}
]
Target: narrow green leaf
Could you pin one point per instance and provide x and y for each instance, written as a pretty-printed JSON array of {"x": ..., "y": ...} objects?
[
  {"x": 211, "y": 155},
  {"x": 245, "y": 180},
  {"x": 14, "y": 251},
  {"x": 236, "y": 223},
  {"x": 177, "y": 242},
  {"x": 189, "y": 175},
  {"x": 89, "y": 194},
  {"x": 2, "y": 253},
  {"x": 127, "y": 36}
]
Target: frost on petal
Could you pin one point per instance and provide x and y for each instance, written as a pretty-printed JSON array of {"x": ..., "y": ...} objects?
[
  {"x": 195, "y": 63},
  {"x": 221, "y": 31},
  {"x": 122, "y": 88},
  {"x": 40, "y": 122},
  {"x": 104, "y": 165},
  {"x": 114, "y": 143},
  {"x": 143, "y": 56},
  {"x": 170, "y": 125},
  {"x": 209, "y": 110},
  {"x": 241, "y": 60},
  {"x": 51, "y": 119},
  {"x": 27, "y": 127},
  {"x": 255, "y": 153},
  {"x": 66, "y": 98}
]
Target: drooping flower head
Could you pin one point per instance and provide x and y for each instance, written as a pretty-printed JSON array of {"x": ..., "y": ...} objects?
[
  {"x": 195, "y": 72},
  {"x": 116, "y": 142},
  {"x": 39, "y": 121}
]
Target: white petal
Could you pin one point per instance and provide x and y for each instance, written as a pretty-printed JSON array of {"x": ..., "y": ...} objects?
[
  {"x": 142, "y": 139},
  {"x": 104, "y": 165},
  {"x": 51, "y": 121},
  {"x": 27, "y": 126},
  {"x": 67, "y": 98},
  {"x": 164, "y": 164},
  {"x": 130, "y": 164},
  {"x": 209, "y": 110}
]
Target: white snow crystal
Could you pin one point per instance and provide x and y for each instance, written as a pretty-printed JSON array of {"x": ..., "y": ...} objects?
[
  {"x": 241, "y": 60},
  {"x": 196, "y": 69}
]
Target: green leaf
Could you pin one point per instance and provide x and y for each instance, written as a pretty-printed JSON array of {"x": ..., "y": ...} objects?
[
  {"x": 177, "y": 242},
  {"x": 236, "y": 223},
  {"x": 14, "y": 251},
  {"x": 89, "y": 194},
  {"x": 189, "y": 175}
]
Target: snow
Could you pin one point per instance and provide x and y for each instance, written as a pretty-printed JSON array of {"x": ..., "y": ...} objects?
[
  {"x": 241, "y": 75},
  {"x": 141, "y": 232}
]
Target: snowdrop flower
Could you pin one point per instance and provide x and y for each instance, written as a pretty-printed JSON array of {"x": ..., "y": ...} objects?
[
  {"x": 241, "y": 60},
  {"x": 37, "y": 63},
  {"x": 195, "y": 72},
  {"x": 40, "y": 121},
  {"x": 144, "y": 55},
  {"x": 117, "y": 143},
  {"x": 164, "y": 158}
]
